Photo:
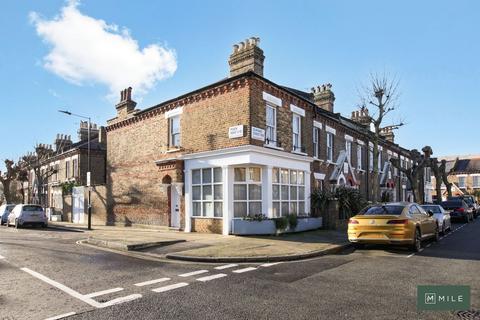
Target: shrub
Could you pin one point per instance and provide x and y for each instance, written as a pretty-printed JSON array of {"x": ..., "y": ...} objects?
[
  {"x": 281, "y": 223},
  {"x": 256, "y": 217},
  {"x": 292, "y": 221}
]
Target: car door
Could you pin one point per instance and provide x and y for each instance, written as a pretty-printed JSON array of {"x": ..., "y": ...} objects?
[{"x": 427, "y": 223}]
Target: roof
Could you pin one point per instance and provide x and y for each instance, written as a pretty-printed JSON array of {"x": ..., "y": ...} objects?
[{"x": 466, "y": 166}]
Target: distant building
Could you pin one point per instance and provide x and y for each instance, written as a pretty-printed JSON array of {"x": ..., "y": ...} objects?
[{"x": 464, "y": 175}]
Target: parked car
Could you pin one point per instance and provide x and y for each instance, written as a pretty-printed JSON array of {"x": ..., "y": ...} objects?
[
  {"x": 27, "y": 214},
  {"x": 458, "y": 209},
  {"x": 399, "y": 223},
  {"x": 4, "y": 212},
  {"x": 439, "y": 214},
  {"x": 471, "y": 202}
]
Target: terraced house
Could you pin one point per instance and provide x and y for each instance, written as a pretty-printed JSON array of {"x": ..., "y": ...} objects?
[{"x": 239, "y": 147}]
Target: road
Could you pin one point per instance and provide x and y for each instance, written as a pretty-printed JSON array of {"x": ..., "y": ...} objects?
[{"x": 46, "y": 274}]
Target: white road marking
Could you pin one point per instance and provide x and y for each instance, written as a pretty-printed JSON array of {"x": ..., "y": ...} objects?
[
  {"x": 269, "y": 264},
  {"x": 121, "y": 300},
  {"x": 212, "y": 277},
  {"x": 170, "y": 287},
  {"x": 411, "y": 255},
  {"x": 193, "y": 273},
  {"x": 226, "y": 266},
  {"x": 441, "y": 238},
  {"x": 101, "y": 293},
  {"x": 428, "y": 245},
  {"x": 78, "y": 295},
  {"x": 420, "y": 250},
  {"x": 146, "y": 283},
  {"x": 1, "y": 257},
  {"x": 61, "y": 316},
  {"x": 244, "y": 270}
]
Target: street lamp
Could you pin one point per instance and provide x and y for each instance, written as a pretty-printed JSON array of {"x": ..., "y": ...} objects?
[{"x": 88, "y": 164}]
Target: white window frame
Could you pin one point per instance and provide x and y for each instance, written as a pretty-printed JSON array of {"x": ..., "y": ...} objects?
[
  {"x": 289, "y": 184},
  {"x": 67, "y": 169},
  {"x": 271, "y": 127},
  {"x": 348, "y": 149},
  {"x": 359, "y": 157},
  {"x": 297, "y": 136},
  {"x": 330, "y": 146},
  {"x": 316, "y": 142},
  {"x": 476, "y": 177},
  {"x": 212, "y": 185},
  {"x": 464, "y": 179},
  {"x": 75, "y": 167},
  {"x": 172, "y": 134},
  {"x": 248, "y": 182}
]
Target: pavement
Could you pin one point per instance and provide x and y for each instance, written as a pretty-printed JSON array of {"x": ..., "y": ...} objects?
[
  {"x": 197, "y": 247},
  {"x": 47, "y": 275}
]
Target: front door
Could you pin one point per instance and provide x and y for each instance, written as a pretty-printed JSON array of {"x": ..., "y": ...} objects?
[{"x": 174, "y": 207}]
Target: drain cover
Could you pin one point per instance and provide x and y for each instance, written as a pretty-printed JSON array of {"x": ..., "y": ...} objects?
[{"x": 468, "y": 315}]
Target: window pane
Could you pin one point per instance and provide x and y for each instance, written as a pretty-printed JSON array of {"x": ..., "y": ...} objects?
[
  {"x": 275, "y": 173},
  {"x": 218, "y": 209},
  {"x": 276, "y": 209},
  {"x": 276, "y": 192},
  {"x": 239, "y": 209},
  {"x": 284, "y": 176},
  {"x": 217, "y": 175},
  {"x": 301, "y": 193},
  {"x": 293, "y": 177},
  {"x": 175, "y": 124},
  {"x": 207, "y": 209},
  {"x": 301, "y": 208},
  {"x": 254, "y": 174},
  {"x": 254, "y": 192},
  {"x": 239, "y": 174},
  {"x": 207, "y": 175},
  {"x": 196, "y": 193},
  {"x": 293, "y": 193},
  {"x": 301, "y": 177},
  {"x": 254, "y": 208},
  {"x": 196, "y": 177},
  {"x": 218, "y": 192},
  {"x": 293, "y": 207},
  {"x": 285, "y": 209},
  {"x": 207, "y": 193},
  {"x": 197, "y": 209},
  {"x": 240, "y": 192},
  {"x": 284, "y": 192}
]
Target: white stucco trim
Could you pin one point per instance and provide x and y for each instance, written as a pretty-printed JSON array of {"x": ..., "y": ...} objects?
[
  {"x": 330, "y": 130},
  {"x": 317, "y": 124},
  {"x": 348, "y": 138},
  {"x": 174, "y": 112},
  {"x": 272, "y": 99},
  {"x": 297, "y": 110},
  {"x": 360, "y": 142},
  {"x": 319, "y": 176}
]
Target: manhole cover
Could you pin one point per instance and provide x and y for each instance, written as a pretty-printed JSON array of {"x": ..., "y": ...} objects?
[{"x": 468, "y": 315}]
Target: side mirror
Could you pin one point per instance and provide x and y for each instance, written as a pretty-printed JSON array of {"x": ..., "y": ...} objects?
[{"x": 430, "y": 212}]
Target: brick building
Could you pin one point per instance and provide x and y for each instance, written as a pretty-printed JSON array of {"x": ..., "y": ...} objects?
[
  {"x": 235, "y": 148},
  {"x": 70, "y": 162}
]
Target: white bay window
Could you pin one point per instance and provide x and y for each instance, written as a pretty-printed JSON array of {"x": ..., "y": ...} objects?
[
  {"x": 247, "y": 192},
  {"x": 207, "y": 192}
]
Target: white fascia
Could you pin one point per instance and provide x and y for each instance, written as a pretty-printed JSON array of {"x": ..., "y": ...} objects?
[{"x": 272, "y": 99}]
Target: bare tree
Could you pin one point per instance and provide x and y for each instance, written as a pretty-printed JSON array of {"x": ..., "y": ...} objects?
[
  {"x": 382, "y": 93},
  {"x": 34, "y": 161},
  {"x": 6, "y": 179}
]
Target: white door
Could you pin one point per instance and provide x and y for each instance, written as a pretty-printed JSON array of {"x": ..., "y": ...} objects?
[
  {"x": 78, "y": 204},
  {"x": 174, "y": 207}
]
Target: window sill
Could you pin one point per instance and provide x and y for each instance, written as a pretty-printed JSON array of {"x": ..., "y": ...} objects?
[
  {"x": 271, "y": 146},
  {"x": 329, "y": 162},
  {"x": 317, "y": 159},
  {"x": 300, "y": 153},
  {"x": 173, "y": 150},
  {"x": 360, "y": 170},
  {"x": 198, "y": 217}
]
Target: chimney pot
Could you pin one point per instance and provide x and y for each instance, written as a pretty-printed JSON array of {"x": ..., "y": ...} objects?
[{"x": 246, "y": 56}]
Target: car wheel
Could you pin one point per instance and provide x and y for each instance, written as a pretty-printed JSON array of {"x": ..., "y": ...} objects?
[
  {"x": 44, "y": 225},
  {"x": 358, "y": 245},
  {"x": 437, "y": 235},
  {"x": 417, "y": 241},
  {"x": 466, "y": 219},
  {"x": 16, "y": 224},
  {"x": 443, "y": 229}
]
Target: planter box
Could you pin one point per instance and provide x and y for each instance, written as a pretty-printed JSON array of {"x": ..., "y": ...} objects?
[
  {"x": 247, "y": 227},
  {"x": 266, "y": 227}
]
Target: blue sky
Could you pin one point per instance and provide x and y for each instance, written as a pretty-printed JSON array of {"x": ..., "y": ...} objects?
[{"x": 432, "y": 47}]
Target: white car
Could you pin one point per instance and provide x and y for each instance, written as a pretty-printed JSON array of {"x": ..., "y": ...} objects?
[
  {"x": 4, "y": 212},
  {"x": 439, "y": 214},
  {"x": 27, "y": 214}
]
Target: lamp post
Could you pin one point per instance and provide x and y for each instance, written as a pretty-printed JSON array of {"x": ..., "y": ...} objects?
[{"x": 89, "y": 210}]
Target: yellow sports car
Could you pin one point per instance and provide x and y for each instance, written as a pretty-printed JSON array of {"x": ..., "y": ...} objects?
[{"x": 401, "y": 223}]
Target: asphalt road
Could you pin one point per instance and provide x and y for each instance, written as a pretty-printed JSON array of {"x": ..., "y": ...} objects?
[{"x": 44, "y": 273}]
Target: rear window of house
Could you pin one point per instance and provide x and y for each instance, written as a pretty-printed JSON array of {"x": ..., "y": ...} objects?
[
  {"x": 382, "y": 210},
  {"x": 434, "y": 209},
  {"x": 452, "y": 204},
  {"x": 32, "y": 208}
]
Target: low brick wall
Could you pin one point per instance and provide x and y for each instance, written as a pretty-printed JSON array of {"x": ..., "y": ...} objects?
[{"x": 205, "y": 225}]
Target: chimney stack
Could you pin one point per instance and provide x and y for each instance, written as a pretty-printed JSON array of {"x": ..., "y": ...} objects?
[
  {"x": 387, "y": 134},
  {"x": 323, "y": 96},
  {"x": 246, "y": 56},
  {"x": 362, "y": 117},
  {"x": 83, "y": 131},
  {"x": 126, "y": 105},
  {"x": 62, "y": 142}
]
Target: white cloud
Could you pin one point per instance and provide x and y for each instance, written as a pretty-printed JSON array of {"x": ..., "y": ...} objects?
[{"x": 86, "y": 50}]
